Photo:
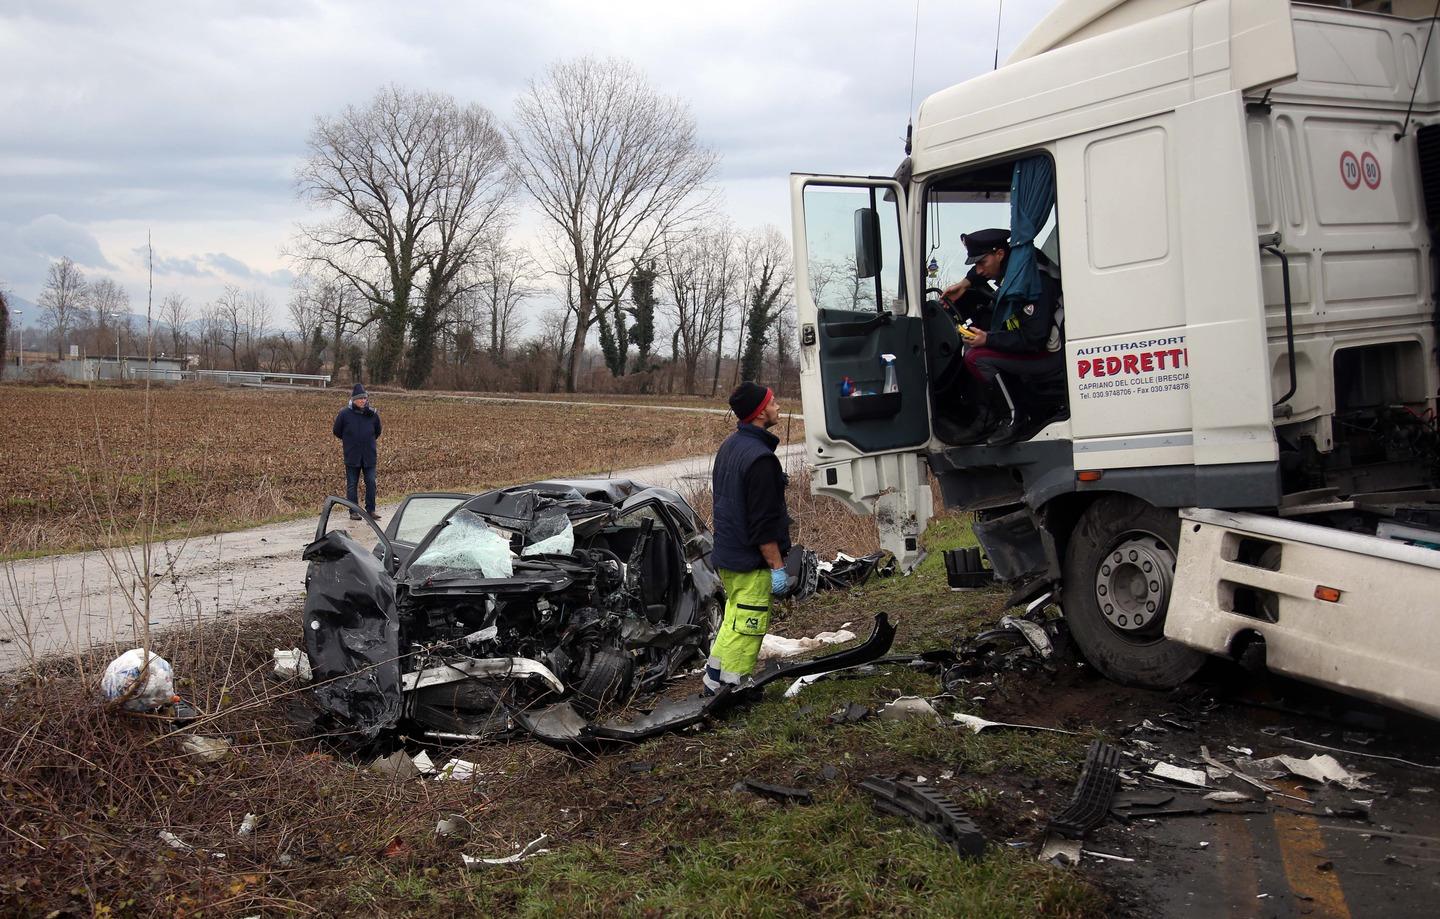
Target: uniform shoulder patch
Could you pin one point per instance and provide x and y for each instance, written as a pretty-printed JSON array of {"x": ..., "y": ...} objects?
[{"x": 1029, "y": 309}]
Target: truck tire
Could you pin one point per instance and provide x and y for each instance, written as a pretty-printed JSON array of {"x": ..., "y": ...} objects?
[{"x": 1119, "y": 576}]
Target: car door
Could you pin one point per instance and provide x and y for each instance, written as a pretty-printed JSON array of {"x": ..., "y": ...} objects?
[
  {"x": 416, "y": 517},
  {"x": 863, "y": 379}
]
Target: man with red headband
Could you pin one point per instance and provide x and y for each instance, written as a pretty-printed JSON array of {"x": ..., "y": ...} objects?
[{"x": 752, "y": 533}]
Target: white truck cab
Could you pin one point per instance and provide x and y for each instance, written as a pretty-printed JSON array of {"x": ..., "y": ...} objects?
[{"x": 1243, "y": 193}]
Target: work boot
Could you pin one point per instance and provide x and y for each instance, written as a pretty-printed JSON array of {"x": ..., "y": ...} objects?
[
  {"x": 355, "y": 516},
  {"x": 1021, "y": 427},
  {"x": 972, "y": 433}
]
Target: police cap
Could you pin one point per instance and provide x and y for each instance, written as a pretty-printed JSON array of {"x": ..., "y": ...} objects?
[{"x": 982, "y": 242}]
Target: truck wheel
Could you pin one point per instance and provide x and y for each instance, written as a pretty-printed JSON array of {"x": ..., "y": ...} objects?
[{"x": 1119, "y": 575}]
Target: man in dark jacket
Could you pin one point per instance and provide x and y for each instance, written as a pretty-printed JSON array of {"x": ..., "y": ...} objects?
[
  {"x": 752, "y": 533},
  {"x": 1017, "y": 343},
  {"x": 358, "y": 427}
]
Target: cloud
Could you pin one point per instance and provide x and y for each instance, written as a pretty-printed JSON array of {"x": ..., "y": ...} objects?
[{"x": 190, "y": 120}]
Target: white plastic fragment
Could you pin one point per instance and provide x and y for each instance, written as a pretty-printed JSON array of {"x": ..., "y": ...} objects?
[
  {"x": 531, "y": 848},
  {"x": 779, "y": 646},
  {"x": 1107, "y": 855},
  {"x": 291, "y": 664},
  {"x": 1227, "y": 797},
  {"x": 247, "y": 825},
  {"x": 1056, "y": 849},
  {"x": 142, "y": 688},
  {"x": 975, "y": 725},
  {"x": 458, "y": 770},
  {"x": 423, "y": 763},
  {"x": 1180, "y": 774},
  {"x": 397, "y": 765},
  {"x": 1320, "y": 768},
  {"x": 454, "y": 825},
  {"x": 175, "y": 842},
  {"x": 907, "y": 707},
  {"x": 209, "y": 749}
]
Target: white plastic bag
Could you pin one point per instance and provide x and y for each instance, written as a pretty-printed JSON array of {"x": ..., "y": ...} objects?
[{"x": 123, "y": 678}]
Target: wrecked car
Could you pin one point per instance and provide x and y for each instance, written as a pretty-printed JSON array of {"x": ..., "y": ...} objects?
[{"x": 472, "y": 610}]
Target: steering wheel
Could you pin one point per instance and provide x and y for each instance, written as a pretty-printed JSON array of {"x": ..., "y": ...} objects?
[{"x": 942, "y": 339}]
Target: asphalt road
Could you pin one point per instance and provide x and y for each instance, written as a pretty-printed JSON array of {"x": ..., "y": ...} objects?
[{"x": 64, "y": 603}]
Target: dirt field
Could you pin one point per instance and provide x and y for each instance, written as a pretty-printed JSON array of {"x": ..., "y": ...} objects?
[{"x": 83, "y": 467}]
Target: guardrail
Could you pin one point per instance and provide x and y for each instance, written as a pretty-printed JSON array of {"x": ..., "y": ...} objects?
[{"x": 260, "y": 378}]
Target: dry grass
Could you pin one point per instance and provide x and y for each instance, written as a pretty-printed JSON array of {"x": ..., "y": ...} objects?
[{"x": 79, "y": 470}]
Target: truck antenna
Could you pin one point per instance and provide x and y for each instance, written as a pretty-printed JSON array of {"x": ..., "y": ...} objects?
[
  {"x": 1419, "y": 72},
  {"x": 999, "y": 14},
  {"x": 914, "y": 54}
]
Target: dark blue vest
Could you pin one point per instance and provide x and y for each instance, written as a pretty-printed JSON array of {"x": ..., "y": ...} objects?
[{"x": 733, "y": 549}]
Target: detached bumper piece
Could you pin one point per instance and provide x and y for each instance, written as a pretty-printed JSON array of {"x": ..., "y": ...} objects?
[
  {"x": 934, "y": 812},
  {"x": 562, "y": 725},
  {"x": 1091, "y": 801}
]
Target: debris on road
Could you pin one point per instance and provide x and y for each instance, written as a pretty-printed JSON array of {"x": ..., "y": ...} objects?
[
  {"x": 782, "y": 793},
  {"x": 851, "y": 713},
  {"x": 1320, "y": 768},
  {"x": 454, "y": 825},
  {"x": 532, "y": 848},
  {"x": 975, "y": 724},
  {"x": 397, "y": 765},
  {"x": 175, "y": 842},
  {"x": 773, "y": 645},
  {"x": 208, "y": 749},
  {"x": 907, "y": 707},
  {"x": 1173, "y": 773},
  {"x": 140, "y": 683},
  {"x": 965, "y": 571},
  {"x": 292, "y": 664},
  {"x": 932, "y": 810},
  {"x": 1058, "y": 851},
  {"x": 848, "y": 571},
  {"x": 1090, "y": 802}
]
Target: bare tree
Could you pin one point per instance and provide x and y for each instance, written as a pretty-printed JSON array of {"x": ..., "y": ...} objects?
[
  {"x": 228, "y": 313},
  {"x": 507, "y": 278},
  {"x": 766, "y": 274},
  {"x": 698, "y": 274},
  {"x": 110, "y": 305},
  {"x": 175, "y": 313},
  {"x": 611, "y": 162},
  {"x": 415, "y": 182},
  {"x": 62, "y": 302}
]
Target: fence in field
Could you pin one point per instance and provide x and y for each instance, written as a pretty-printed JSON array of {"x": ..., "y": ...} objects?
[{"x": 159, "y": 370}]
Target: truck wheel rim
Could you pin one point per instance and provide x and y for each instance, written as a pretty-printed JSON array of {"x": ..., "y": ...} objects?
[{"x": 1133, "y": 582}]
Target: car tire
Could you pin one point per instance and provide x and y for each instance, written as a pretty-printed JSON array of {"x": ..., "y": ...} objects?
[{"x": 1119, "y": 575}]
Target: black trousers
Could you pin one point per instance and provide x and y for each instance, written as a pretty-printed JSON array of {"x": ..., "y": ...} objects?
[{"x": 352, "y": 486}]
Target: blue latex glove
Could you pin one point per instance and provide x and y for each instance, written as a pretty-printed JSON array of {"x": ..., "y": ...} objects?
[{"x": 779, "y": 581}]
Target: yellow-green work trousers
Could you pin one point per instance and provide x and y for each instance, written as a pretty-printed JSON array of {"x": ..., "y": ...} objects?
[{"x": 747, "y": 619}]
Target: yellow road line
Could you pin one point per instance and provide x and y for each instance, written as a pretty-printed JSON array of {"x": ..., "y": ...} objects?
[{"x": 1302, "y": 848}]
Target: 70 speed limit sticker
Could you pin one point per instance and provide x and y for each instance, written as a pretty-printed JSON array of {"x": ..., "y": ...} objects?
[{"x": 1357, "y": 169}]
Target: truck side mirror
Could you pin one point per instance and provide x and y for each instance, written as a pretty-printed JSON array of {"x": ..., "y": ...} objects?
[{"x": 867, "y": 243}]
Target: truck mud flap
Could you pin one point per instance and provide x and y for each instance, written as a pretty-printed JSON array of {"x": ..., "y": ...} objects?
[
  {"x": 1091, "y": 801},
  {"x": 1017, "y": 546},
  {"x": 935, "y": 813},
  {"x": 352, "y": 636},
  {"x": 562, "y": 725}
]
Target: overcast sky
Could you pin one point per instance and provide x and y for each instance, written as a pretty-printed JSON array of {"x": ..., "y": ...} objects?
[{"x": 187, "y": 119}]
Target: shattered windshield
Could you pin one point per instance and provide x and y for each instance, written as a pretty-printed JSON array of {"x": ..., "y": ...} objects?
[
  {"x": 552, "y": 534},
  {"x": 467, "y": 545}
]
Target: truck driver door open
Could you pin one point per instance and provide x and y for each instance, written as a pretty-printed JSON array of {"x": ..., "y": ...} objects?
[{"x": 862, "y": 361}]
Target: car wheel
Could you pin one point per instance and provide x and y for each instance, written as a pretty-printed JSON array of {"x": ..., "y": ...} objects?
[{"x": 1119, "y": 578}]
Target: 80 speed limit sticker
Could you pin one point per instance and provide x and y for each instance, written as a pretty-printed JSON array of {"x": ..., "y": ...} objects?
[{"x": 1357, "y": 169}]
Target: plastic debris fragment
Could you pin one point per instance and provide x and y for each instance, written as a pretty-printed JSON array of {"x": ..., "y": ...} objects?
[
  {"x": 531, "y": 848},
  {"x": 138, "y": 687}
]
